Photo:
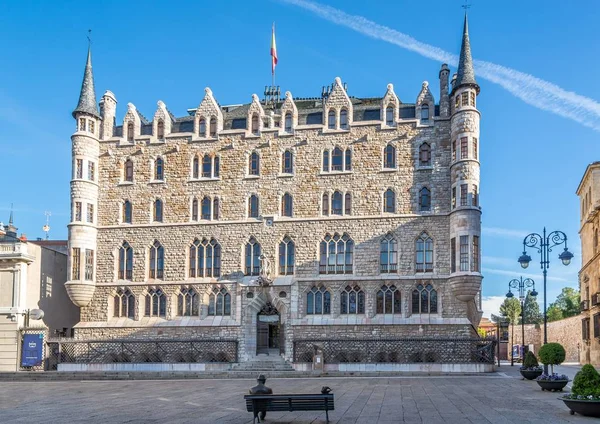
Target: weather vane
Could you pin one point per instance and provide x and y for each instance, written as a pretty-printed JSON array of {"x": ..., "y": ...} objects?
[
  {"x": 46, "y": 227},
  {"x": 467, "y": 5},
  {"x": 89, "y": 36}
]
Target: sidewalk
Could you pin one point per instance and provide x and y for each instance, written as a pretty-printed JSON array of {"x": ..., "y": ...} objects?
[{"x": 569, "y": 369}]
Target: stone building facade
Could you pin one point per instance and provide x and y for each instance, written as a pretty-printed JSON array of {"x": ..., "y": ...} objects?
[{"x": 323, "y": 218}]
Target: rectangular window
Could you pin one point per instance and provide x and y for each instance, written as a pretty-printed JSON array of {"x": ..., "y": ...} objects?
[
  {"x": 75, "y": 263},
  {"x": 91, "y": 127},
  {"x": 457, "y": 102},
  {"x": 475, "y": 199},
  {"x": 91, "y": 171},
  {"x": 89, "y": 264},
  {"x": 465, "y": 98},
  {"x": 463, "y": 194},
  {"x": 453, "y": 254},
  {"x": 90, "y": 213},
  {"x": 596, "y": 325},
  {"x": 453, "y": 197},
  {"x": 472, "y": 99},
  {"x": 453, "y": 149},
  {"x": 464, "y": 253},
  {"x": 475, "y": 262},
  {"x": 79, "y": 168},
  {"x": 475, "y": 148},
  {"x": 464, "y": 147},
  {"x": 77, "y": 211},
  {"x": 81, "y": 124},
  {"x": 585, "y": 329}
]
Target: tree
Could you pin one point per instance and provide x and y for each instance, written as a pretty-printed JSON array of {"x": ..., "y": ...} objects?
[
  {"x": 511, "y": 309},
  {"x": 554, "y": 313},
  {"x": 532, "y": 310},
  {"x": 568, "y": 302}
]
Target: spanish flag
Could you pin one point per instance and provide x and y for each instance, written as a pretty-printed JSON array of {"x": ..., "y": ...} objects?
[{"x": 273, "y": 51}]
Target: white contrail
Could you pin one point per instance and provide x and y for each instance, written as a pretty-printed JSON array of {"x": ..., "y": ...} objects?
[{"x": 532, "y": 90}]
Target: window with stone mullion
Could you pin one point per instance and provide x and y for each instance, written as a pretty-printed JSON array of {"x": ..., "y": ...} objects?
[
  {"x": 388, "y": 300},
  {"x": 352, "y": 301},
  {"x": 388, "y": 254},
  {"x": 286, "y": 256},
  {"x": 318, "y": 301},
  {"x": 187, "y": 303}
]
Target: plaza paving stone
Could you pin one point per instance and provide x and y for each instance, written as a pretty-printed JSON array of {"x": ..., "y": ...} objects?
[{"x": 500, "y": 397}]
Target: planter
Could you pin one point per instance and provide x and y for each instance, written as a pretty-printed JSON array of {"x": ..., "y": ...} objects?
[
  {"x": 589, "y": 408},
  {"x": 531, "y": 374},
  {"x": 552, "y": 385}
]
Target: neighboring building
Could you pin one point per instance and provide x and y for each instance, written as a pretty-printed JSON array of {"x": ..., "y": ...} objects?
[
  {"x": 589, "y": 275},
  {"x": 32, "y": 276},
  {"x": 366, "y": 211}
]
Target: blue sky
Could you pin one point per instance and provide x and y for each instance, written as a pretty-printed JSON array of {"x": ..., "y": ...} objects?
[{"x": 532, "y": 159}]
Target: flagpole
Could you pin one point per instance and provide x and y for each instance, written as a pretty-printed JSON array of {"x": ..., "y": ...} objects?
[{"x": 273, "y": 68}]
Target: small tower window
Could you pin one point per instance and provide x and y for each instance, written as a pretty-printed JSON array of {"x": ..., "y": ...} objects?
[
  {"x": 254, "y": 165},
  {"x": 216, "y": 208},
  {"x": 127, "y": 212},
  {"x": 389, "y": 116},
  {"x": 475, "y": 149},
  {"x": 472, "y": 98},
  {"x": 464, "y": 147},
  {"x": 195, "y": 167},
  {"x": 129, "y": 170},
  {"x": 389, "y": 201},
  {"x": 158, "y": 169},
  {"x": 286, "y": 205},
  {"x": 389, "y": 157},
  {"x": 288, "y": 122},
  {"x": 331, "y": 119},
  {"x": 91, "y": 126},
  {"x": 253, "y": 207},
  {"x": 425, "y": 155},
  {"x": 325, "y": 160},
  {"x": 195, "y": 209},
  {"x": 348, "y": 204},
  {"x": 348, "y": 161},
  {"x": 255, "y": 127},
  {"x": 213, "y": 127},
  {"x": 130, "y": 131},
  {"x": 160, "y": 130},
  {"x": 288, "y": 162},
  {"x": 424, "y": 113},
  {"x": 424, "y": 199},
  {"x": 202, "y": 127},
  {"x": 81, "y": 124},
  {"x": 158, "y": 210},
  {"x": 325, "y": 205},
  {"x": 344, "y": 119},
  {"x": 217, "y": 164},
  {"x": 465, "y": 98}
]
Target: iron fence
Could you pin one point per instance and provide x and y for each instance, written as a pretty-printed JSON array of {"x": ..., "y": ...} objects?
[{"x": 408, "y": 350}]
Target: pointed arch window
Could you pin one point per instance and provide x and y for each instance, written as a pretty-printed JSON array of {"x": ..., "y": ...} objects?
[
  {"x": 188, "y": 302},
  {"x": 206, "y": 166},
  {"x": 195, "y": 209},
  {"x": 130, "y": 131},
  {"x": 254, "y": 164},
  {"x": 318, "y": 301},
  {"x": 352, "y": 301},
  {"x": 389, "y": 201},
  {"x": 286, "y": 205},
  {"x": 388, "y": 256},
  {"x": 424, "y": 199},
  {"x": 347, "y": 204},
  {"x": 348, "y": 160},
  {"x": 202, "y": 127},
  {"x": 216, "y": 208},
  {"x": 331, "y": 119},
  {"x": 128, "y": 170},
  {"x": 388, "y": 300},
  {"x": 156, "y": 303},
  {"x": 336, "y": 254},
  {"x": 195, "y": 167},
  {"x": 255, "y": 126},
  {"x": 127, "y": 212},
  {"x": 205, "y": 208},
  {"x": 389, "y": 157},
  {"x": 252, "y": 261},
  {"x": 287, "y": 251},
  {"x": 344, "y": 119},
  {"x": 125, "y": 262},
  {"x": 424, "y": 300},
  {"x": 337, "y": 203},
  {"x": 288, "y": 122},
  {"x": 337, "y": 160},
  {"x": 205, "y": 258},
  {"x": 389, "y": 116},
  {"x": 213, "y": 127},
  {"x": 253, "y": 207},
  {"x": 424, "y": 253},
  {"x": 425, "y": 154},
  {"x": 158, "y": 211},
  {"x": 124, "y": 304},
  {"x": 325, "y": 205},
  {"x": 157, "y": 260},
  {"x": 160, "y": 130},
  {"x": 425, "y": 113},
  {"x": 325, "y": 160},
  {"x": 219, "y": 302},
  {"x": 159, "y": 169},
  {"x": 287, "y": 162}
]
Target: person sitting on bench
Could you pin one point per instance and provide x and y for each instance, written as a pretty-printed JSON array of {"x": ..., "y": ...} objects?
[{"x": 261, "y": 389}]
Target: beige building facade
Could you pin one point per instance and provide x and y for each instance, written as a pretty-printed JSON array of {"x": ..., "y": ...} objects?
[{"x": 279, "y": 220}]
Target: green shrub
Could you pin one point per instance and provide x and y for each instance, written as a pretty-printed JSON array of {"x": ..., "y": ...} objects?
[
  {"x": 530, "y": 360},
  {"x": 552, "y": 354},
  {"x": 586, "y": 382}
]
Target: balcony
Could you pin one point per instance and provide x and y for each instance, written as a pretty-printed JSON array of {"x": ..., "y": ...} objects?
[
  {"x": 595, "y": 299},
  {"x": 585, "y": 305}
]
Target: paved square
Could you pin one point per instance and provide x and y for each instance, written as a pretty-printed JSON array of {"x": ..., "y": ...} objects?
[{"x": 497, "y": 398}]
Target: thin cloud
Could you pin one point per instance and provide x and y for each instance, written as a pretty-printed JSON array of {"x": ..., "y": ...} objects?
[
  {"x": 503, "y": 232},
  {"x": 517, "y": 274},
  {"x": 532, "y": 90},
  {"x": 491, "y": 305}
]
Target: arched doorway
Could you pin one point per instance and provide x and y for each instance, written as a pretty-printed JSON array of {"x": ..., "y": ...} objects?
[{"x": 269, "y": 331}]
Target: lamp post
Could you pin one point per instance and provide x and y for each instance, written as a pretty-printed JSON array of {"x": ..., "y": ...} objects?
[
  {"x": 544, "y": 244},
  {"x": 521, "y": 285}
]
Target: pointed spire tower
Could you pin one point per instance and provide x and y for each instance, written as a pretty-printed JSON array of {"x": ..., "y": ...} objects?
[
  {"x": 87, "y": 96},
  {"x": 466, "y": 72}
]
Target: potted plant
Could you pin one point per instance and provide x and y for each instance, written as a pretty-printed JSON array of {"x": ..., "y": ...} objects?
[
  {"x": 585, "y": 394},
  {"x": 552, "y": 354},
  {"x": 530, "y": 369}
]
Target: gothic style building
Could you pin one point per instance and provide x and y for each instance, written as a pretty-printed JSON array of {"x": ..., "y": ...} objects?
[{"x": 279, "y": 221}]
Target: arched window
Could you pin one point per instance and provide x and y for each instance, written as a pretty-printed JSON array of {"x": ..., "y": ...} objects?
[
  {"x": 424, "y": 300},
  {"x": 195, "y": 209},
  {"x": 348, "y": 161},
  {"x": 286, "y": 205},
  {"x": 325, "y": 205},
  {"x": 219, "y": 302},
  {"x": 318, "y": 301},
  {"x": 348, "y": 204},
  {"x": 424, "y": 113},
  {"x": 389, "y": 157},
  {"x": 288, "y": 122},
  {"x": 336, "y": 254},
  {"x": 388, "y": 256},
  {"x": 128, "y": 170},
  {"x": 389, "y": 116},
  {"x": 288, "y": 162},
  {"x": 188, "y": 302},
  {"x": 344, "y": 119},
  {"x": 205, "y": 208},
  {"x": 160, "y": 130},
  {"x": 157, "y": 260},
  {"x": 202, "y": 127},
  {"x": 331, "y": 119},
  {"x": 206, "y": 166},
  {"x": 425, "y": 155},
  {"x": 424, "y": 199},
  {"x": 254, "y": 164},
  {"x": 255, "y": 127},
  {"x": 253, "y": 210},
  {"x": 158, "y": 210},
  {"x": 216, "y": 208},
  {"x": 217, "y": 165},
  {"x": 127, "y": 209},
  {"x": 337, "y": 160},
  {"x": 252, "y": 257},
  {"x": 352, "y": 300},
  {"x": 125, "y": 262},
  {"x": 388, "y": 300},
  {"x": 158, "y": 169},
  {"x": 424, "y": 253},
  {"x": 156, "y": 303},
  {"x": 336, "y": 203},
  {"x": 287, "y": 251},
  {"x": 130, "y": 131},
  {"x": 389, "y": 201},
  {"x": 196, "y": 167},
  {"x": 213, "y": 127},
  {"x": 325, "y": 160},
  {"x": 124, "y": 304},
  {"x": 205, "y": 258}
]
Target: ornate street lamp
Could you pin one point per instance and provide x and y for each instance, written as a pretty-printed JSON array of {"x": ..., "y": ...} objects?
[
  {"x": 544, "y": 244},
  {"x": 521, "y": 285}
]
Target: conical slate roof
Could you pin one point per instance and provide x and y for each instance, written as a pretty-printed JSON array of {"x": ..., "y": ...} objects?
[
  {"x": 87, "y": 97},
  {"x": 466, "y": 73}
]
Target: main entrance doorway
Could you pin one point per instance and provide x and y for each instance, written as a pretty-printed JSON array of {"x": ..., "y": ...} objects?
[{"x": 269, "y": 331}]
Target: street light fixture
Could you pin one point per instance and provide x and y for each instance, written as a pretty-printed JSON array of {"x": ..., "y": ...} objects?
[{"x": 521, "y": 285}]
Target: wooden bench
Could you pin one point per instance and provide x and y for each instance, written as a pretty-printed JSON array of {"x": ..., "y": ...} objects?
[{"x": 260, "y": 403}]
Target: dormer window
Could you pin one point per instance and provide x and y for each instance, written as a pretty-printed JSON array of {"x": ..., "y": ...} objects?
[
  {"x": 344, "y": 119},
  {"x": 202, "y": 127},
  {"x": 288, "y": 122},
  {"x": 389, "y": 116},
  {"x": 255, "y": 127},
  {"x": 331, "y": 120},
  {"x": 160, "y": 130},
  {"x": 424, "y": 113},
  {"x": 130, "y": 131},
  {"x": 213, "y": 127}
]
